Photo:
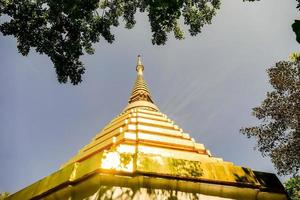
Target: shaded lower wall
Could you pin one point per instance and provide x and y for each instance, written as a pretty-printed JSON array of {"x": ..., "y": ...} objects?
[
  {"x": 113, "y": 187},
  {"x": 114, "y": 193}
]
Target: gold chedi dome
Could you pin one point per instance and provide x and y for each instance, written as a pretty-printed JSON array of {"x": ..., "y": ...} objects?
[
  {"x": 143, "y": 128},
  {"x": 142, "y": 154}
]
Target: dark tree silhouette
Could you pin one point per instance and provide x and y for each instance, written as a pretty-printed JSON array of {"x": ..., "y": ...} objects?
[
  {"x": 65, "y": 29},
  {"x": 278, "y": 134}
]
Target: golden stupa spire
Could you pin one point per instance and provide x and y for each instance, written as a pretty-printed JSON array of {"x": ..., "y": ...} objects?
[
  {"x": 139, "y": 66},
  {"x": 143, "y": 154},
  {"x": 140, "y": 95}
]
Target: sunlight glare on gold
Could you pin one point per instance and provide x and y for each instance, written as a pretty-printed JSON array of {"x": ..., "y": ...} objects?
[
  {"x": 111, "y": 161},
  {"x": 114, "y": 160}
]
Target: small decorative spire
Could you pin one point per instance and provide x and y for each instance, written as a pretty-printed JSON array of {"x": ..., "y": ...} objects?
[
  {"x": 139, "y": 66},
  {"x": 140, "y": 91},
  {"x": 140, "y": 94}
]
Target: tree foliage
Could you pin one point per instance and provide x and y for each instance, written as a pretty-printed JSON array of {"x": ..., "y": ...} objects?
[
  {"x": 292, "y": 187},
  {"x": 295, "y": 25},
  {"x": 296, "y": 29},
  {"x": 278, "y": 134},
  {"x": 65, "y": 29},
  {"x": 298, "y": 5},
  {"x": 3, "y": 195}
]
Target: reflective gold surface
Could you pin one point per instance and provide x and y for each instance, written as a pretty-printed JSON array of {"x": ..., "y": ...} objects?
[{"x": 143, "y": 149}]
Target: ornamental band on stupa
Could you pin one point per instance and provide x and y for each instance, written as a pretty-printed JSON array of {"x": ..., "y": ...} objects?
[{"x": 142, "y": 154}]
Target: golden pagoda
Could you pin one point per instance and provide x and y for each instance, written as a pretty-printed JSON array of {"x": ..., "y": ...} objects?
[{"x": 142, "y": 154}]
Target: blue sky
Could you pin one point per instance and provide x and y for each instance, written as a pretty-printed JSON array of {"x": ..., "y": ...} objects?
[{"x": 207, "y": 84}]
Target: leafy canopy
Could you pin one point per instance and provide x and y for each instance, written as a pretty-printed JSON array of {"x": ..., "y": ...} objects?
[
  {"x": 278, "y": 134},
  {"x": 65, "y": 29},
  {"x": 292, "y": 187},
  {"x": 295, "y": 25},
  {"x": 3, "y": 195}
]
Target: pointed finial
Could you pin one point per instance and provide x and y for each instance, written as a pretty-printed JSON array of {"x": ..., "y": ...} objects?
[
  {"x": 140, "y": 95},
  {"x": 139, "y": 66}
]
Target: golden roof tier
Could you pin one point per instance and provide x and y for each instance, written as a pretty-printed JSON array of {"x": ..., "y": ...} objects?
[
  {"x": 141, "y": 128},
  {"x": 142, "y": 154}
]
